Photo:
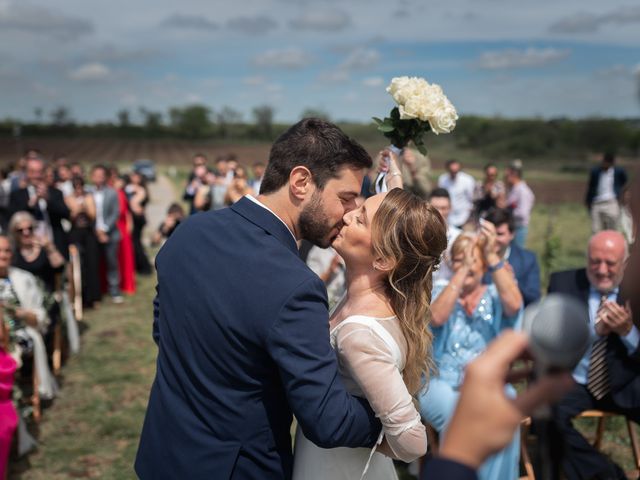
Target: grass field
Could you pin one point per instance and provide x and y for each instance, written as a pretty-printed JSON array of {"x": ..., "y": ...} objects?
[{"x": 92, "y": 429}]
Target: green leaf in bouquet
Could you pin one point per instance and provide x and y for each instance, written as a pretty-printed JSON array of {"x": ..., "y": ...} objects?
[
  {"x": 386, "y": 128},
  {"x": 395, "y": 113},
  {"x": 377, "y": 120},
  {"x": 421, "y": 148}
]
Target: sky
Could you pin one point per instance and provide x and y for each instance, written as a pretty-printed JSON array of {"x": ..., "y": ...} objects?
[{"x": 511, "y": 58}]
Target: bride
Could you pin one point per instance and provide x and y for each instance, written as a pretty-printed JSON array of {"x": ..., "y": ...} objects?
[{"x": 391, "y": 245}]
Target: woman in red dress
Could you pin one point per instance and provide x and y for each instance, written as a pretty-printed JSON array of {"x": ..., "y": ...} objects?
[{"x": 125, "y": 226}]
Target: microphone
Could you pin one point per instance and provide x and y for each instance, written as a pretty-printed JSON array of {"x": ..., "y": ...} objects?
[{"x": 558, "y": 330}]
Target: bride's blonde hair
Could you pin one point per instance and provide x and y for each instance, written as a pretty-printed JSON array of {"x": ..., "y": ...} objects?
[{"x": 410, "y": 234}]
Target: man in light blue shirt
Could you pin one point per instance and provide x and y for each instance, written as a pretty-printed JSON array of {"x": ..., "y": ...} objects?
[{"x": 608, "y": 376}]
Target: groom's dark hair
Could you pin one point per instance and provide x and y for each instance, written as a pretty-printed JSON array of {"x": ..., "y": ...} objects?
[{"x": 316, "y": 144}]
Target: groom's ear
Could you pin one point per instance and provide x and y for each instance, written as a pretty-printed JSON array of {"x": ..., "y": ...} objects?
[
  {"x": 301, "y": 182},
  {"x": 383, "y": 264}
]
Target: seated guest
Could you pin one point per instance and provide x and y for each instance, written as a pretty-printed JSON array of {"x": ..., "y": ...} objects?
[
  {"x": 441, "y": 201},
  {"x": 466, "y": 315},
  {"x": 44, "y": 202},
  {"x": 523, "y": 263},
  {"x": 26, "y": 316},
  {"x": 34, "y": 253},
  {"x": 608, "y": 376}
]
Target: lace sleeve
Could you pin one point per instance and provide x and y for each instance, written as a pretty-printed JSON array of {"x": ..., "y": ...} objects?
[{"x": 370, "y": 363}]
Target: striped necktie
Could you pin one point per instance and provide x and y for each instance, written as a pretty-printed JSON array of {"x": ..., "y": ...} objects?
[{"x": 598, "y": 375}]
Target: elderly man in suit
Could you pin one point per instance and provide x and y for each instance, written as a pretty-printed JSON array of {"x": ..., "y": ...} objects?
[
  {"x": 44, "y": 202},
  {"x": 604, "y": 191},
  {"x": 608, "y": 376},
  {"x": 242, "y": 327},
  {"x": 107, "y": 212},
  {"x": 522, "y": 262}
]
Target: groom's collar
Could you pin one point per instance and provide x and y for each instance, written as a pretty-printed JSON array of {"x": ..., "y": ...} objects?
[{"x": 261, "y": 215}]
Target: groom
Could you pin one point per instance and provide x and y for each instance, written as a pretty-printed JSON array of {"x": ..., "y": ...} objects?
[{"x": 242, "y": 326}]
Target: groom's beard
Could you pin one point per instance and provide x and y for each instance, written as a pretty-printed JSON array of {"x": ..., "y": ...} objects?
[{"x": 314, "y": 224}]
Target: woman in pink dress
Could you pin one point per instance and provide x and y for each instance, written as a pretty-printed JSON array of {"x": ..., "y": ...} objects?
[{"x": 8, "y": 415}]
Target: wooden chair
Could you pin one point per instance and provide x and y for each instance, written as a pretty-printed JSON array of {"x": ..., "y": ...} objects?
[{"x": 597, "y": 442}]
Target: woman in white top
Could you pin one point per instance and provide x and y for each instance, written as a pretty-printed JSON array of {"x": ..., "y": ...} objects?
[{"x": 391, "y": 245}]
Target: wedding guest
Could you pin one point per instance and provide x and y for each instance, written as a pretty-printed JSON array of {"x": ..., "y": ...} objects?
[
  {"x": 490, "y": 192},
  {"x": 107, "y": 214},
  {"x": 124, "y": 224},
  {"x": 5, "y": 191},
  {"x": 211, "y": 195},
  {"x": 626, "y": 218},
  {"x": 238, "y": 188},
  {"x": 196, "y": 180},
  {"x": 23, "y": 301},
  {"x": 77, "y": 170},
  {"x": 327, "y": 264},
  {"x": 83, "y": 235},
  {"x": 466, "y": 316},
  {"x": 63, "y": 180},
  {"x": 440, "y": 200},
  {"x": 460, "y": 186},
  {"x": 258, "y": 173},
  {"x": 8, "y": 414},
  {"x": 416, "y": 172},
  {"x": 175, "y": 215},
  {"x": 35, "y": 253},
  {"x": 520, "y": 199},
  {"x": 45, "y": 203},
  {"x": 605, "y": 186},
  {"x": 522, "y": 263},
  {"x": 608, "y": 375},
  {"x": 138, "y": 198},
  {"x": 19, "y": 174}
]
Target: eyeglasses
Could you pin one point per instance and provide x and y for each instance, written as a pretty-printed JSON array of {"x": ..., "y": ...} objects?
[{"x": 24, "y": 230}]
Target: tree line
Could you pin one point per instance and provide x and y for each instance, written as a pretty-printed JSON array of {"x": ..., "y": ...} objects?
[{"x": 493, "y": 137}]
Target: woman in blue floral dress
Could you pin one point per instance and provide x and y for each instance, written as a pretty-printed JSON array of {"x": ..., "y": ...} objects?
[{"x": 466, "y": 316}]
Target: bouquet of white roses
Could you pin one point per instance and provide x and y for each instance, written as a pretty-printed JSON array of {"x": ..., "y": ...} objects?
[{"x": 421, "y": 107}]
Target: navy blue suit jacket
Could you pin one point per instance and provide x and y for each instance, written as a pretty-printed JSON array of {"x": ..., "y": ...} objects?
[
  {"x": 527, "y": 272},
  {"x": 242, "y": 330},
  {"x": 624, "y": 368},
  {"x": 444, "y": 469},
  {"x": 619, "y": 181}
]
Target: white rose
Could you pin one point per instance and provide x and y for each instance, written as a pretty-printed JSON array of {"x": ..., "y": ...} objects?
[
  {"x": 444, "y": 118},
  {"x": 398, "y": 88}
]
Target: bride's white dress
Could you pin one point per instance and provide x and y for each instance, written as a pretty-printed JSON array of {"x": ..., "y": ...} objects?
[{"x": 371, "y": 356}]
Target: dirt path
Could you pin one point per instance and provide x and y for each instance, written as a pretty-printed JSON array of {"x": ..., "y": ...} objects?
[{"x": 162, "y": 195}]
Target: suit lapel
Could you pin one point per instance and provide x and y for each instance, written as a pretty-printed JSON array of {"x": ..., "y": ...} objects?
[{"x": 266, "y": 220}]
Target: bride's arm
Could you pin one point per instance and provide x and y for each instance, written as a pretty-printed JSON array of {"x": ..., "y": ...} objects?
[{"x": 371, "y": 365}]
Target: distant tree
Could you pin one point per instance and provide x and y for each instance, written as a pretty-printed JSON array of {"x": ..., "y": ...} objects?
[
  {"x": 263, "y": 116},
  {"x": 124, "y": 118},
  {"x": 225, "y": 118},
  {"x": 38, "y": 112},
  {"x": 191, "y": 121},
  {"x": 315, "y": 112},
  {"x": 61, "y": 116},
  {"x": 151, "y": 120}
]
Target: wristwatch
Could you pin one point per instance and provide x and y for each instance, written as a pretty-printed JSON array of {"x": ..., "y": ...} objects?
[{"x": 497, "y": 266}]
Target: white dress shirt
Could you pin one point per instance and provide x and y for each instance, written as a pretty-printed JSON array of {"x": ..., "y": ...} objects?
[{"x": 461, "y": 191}]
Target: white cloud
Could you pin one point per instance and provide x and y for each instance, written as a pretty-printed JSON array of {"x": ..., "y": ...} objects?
[
  {"x": 254, "y": 81},
  {"x": 255, "y": 25},
  {"x": 361, "y": 59},
  {"x": 38, "y": 20},
  {"x": 288, "y": 58},
  {"x": 90, "y": 72},
  {"x": 323, "y": 21},
  {"x": 513, "y": 58},
  {"x": 190, "y": 22},
  {"x": 590, "y": 22},
  {"x": 373, "y": 82}
]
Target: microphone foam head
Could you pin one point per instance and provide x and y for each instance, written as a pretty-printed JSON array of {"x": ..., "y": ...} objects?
[{"x": 558, "y": 329}]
